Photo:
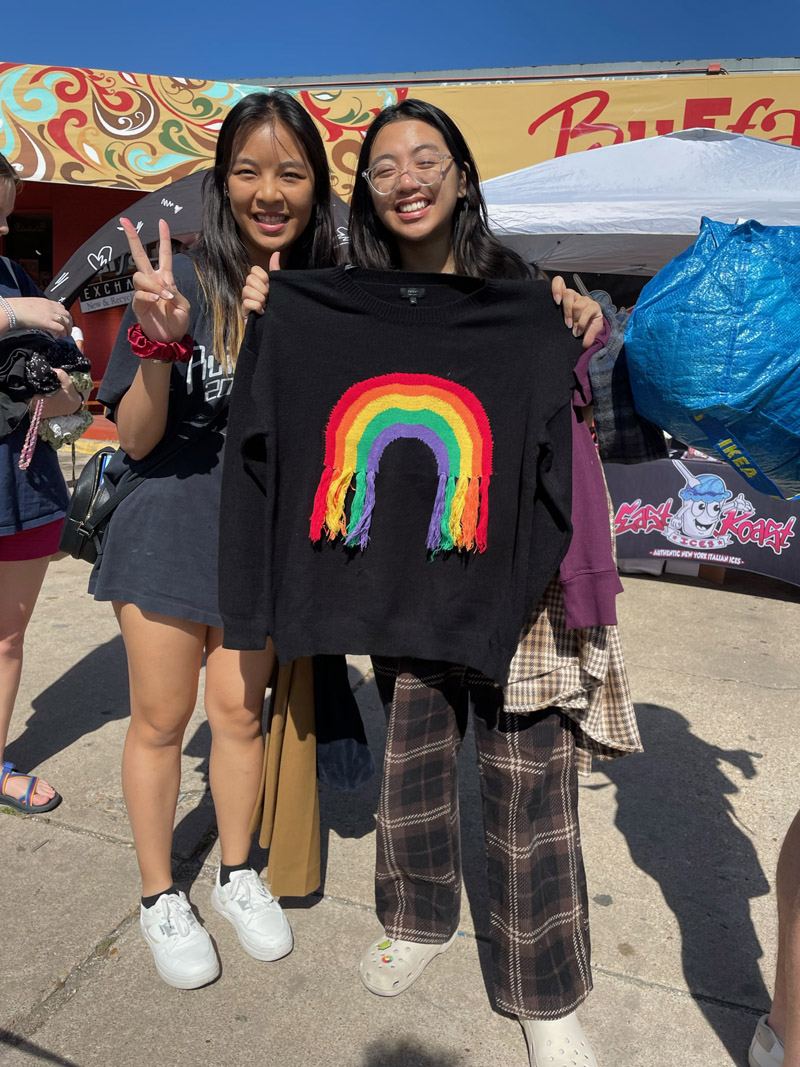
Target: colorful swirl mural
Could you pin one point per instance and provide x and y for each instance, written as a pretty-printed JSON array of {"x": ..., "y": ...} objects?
[{"x": 139, "y": 131}]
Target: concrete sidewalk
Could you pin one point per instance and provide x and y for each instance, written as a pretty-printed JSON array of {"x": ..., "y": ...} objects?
[{"x": 681, "y": 846}]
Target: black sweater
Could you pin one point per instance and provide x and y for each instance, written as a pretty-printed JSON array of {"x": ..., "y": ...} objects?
[{"x": 397, "y": 475}]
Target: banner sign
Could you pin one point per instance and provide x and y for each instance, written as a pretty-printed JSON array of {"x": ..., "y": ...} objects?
[
  {"x": 703, "y": 511},
  {"x": 141, "y": 131},
  {"x": 113, "y": 292}
]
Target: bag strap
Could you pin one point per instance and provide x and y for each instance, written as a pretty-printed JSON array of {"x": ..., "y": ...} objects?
[{"x": 93, "y": 520}]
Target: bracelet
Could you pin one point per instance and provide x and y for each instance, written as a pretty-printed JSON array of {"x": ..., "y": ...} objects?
[
  {"x": 160, "y": 351},
  {"x": 9, "y": 311}
]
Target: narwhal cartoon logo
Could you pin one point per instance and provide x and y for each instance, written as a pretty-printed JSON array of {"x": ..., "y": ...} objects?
[
  {"x": 709, "y": 517},
  {"x": 706, "y": 499}
]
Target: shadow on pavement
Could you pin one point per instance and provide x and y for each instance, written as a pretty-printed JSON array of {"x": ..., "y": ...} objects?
[
  {"x": 196, "y": 833},
  {"x": 38, "y": 1053},
  {"x": 681, "y": 829},
  {"x": 405, "y": 1054},
  {"x": 91, "y": 693},
  {"x": 351, "y": 813}
]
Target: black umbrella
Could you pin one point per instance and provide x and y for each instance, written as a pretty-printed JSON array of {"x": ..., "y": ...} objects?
[{"x": 180, "y": 203}]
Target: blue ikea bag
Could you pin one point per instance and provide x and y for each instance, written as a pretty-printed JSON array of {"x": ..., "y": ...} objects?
[{"x": 713, "y": 349}]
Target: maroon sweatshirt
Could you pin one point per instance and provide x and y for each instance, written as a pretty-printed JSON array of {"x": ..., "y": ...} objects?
[{"x": 589, "y": 579}]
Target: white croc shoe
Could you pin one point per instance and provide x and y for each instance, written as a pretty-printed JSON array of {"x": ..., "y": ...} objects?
[
  {"x": 558, "y": 1043},
  {"x": 257, "y": 917},
  {"x": 765, "y": 1048},
  {"x": 183, "y": 952},
  {"x": 390, "y": 966}
]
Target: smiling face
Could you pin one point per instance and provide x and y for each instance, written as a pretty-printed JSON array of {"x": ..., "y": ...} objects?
[
  {"x": 701, "y": 517},
  {"x": 271, "y": 192},
  {"x": 8, "y": 195},
  {"x": 418, "y": 216}
]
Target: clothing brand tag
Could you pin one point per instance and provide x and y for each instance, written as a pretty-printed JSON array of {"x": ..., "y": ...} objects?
[{"x": 411, "y": 294}]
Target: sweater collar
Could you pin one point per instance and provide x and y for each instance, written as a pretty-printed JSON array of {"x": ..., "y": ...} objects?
[{"x": 355, "y": 282}]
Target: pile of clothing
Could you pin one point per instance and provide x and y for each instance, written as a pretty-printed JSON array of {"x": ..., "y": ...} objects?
[{"x": 28, "y": 363}]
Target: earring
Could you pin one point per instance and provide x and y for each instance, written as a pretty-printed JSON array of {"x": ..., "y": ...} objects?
[{"x": 225, "y": 191}]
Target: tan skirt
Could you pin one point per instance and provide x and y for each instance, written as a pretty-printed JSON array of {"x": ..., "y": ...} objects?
[{"x": 580, "y": 671}]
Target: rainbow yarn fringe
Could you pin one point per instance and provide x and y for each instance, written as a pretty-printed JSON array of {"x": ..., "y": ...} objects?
[{"x": 373, "y": 414}]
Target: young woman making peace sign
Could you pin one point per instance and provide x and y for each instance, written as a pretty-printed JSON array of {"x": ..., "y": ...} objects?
[{"x": 267, "y": 201}]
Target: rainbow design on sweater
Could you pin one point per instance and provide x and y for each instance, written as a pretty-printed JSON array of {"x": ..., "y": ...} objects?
[{"x": 370, "y": 415}]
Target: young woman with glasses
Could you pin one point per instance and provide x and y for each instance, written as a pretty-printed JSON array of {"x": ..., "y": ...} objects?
[{"x": 417, "y": 206}]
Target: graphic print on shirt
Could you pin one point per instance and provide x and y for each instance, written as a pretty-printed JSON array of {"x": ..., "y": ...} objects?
[
  {"x": 216, "y": 383},
  {"x": 447, "y": 418}
]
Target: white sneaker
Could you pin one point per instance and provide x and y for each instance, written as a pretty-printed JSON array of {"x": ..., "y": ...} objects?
[
  {"x": 765, "y": 1048},
  {"x": 182, "y": 950},
  {"x": 257, "y": 917}
]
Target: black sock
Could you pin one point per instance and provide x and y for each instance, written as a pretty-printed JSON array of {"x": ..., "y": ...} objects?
[
  {"x": 225, "y": 871},
  {"x": 148, "y": 902}
]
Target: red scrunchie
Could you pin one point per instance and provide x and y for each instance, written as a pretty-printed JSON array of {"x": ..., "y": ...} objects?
[{"x": 144, "y": 348}]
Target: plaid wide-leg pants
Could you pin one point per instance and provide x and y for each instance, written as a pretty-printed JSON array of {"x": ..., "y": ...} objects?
[{"x": 537, "y": 885}]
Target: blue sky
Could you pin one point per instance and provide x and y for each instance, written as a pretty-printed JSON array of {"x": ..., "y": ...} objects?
[{"x": 227, "y": 41}]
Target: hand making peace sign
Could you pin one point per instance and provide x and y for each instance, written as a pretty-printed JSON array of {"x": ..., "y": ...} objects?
[{"x": 162, "y": 312}]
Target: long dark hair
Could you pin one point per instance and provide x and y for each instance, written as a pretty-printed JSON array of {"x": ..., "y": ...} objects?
[
  {"x": 476, "y": 251},
  {"x": 220, "y": 255}
]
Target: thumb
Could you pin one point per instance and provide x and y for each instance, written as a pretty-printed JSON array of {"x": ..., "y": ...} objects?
[{"x": 275, "y": 262}]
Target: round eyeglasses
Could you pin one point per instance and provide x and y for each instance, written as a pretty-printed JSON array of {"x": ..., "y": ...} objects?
[{"x": 384, "y": 176}]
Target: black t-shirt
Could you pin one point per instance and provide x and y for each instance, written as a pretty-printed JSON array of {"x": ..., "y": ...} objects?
[
  {"x": 406, "y": 413},
  {"x": 160, "y": 548}
]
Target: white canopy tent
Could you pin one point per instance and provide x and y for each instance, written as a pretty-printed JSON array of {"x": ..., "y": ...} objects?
[{"x": 630, "y": 208}]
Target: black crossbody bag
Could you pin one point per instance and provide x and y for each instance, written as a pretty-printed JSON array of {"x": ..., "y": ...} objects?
[{"x": 95, "y": 498}]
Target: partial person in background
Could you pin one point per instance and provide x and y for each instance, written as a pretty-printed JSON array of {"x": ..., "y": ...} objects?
[
  {"x": 77, "y": 337},
  {"x": 33, "y": 503},
  {"x": 776, "y": 1042}
]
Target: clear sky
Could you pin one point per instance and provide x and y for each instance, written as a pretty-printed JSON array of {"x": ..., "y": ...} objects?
[{"x": 226, "y": 41}]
